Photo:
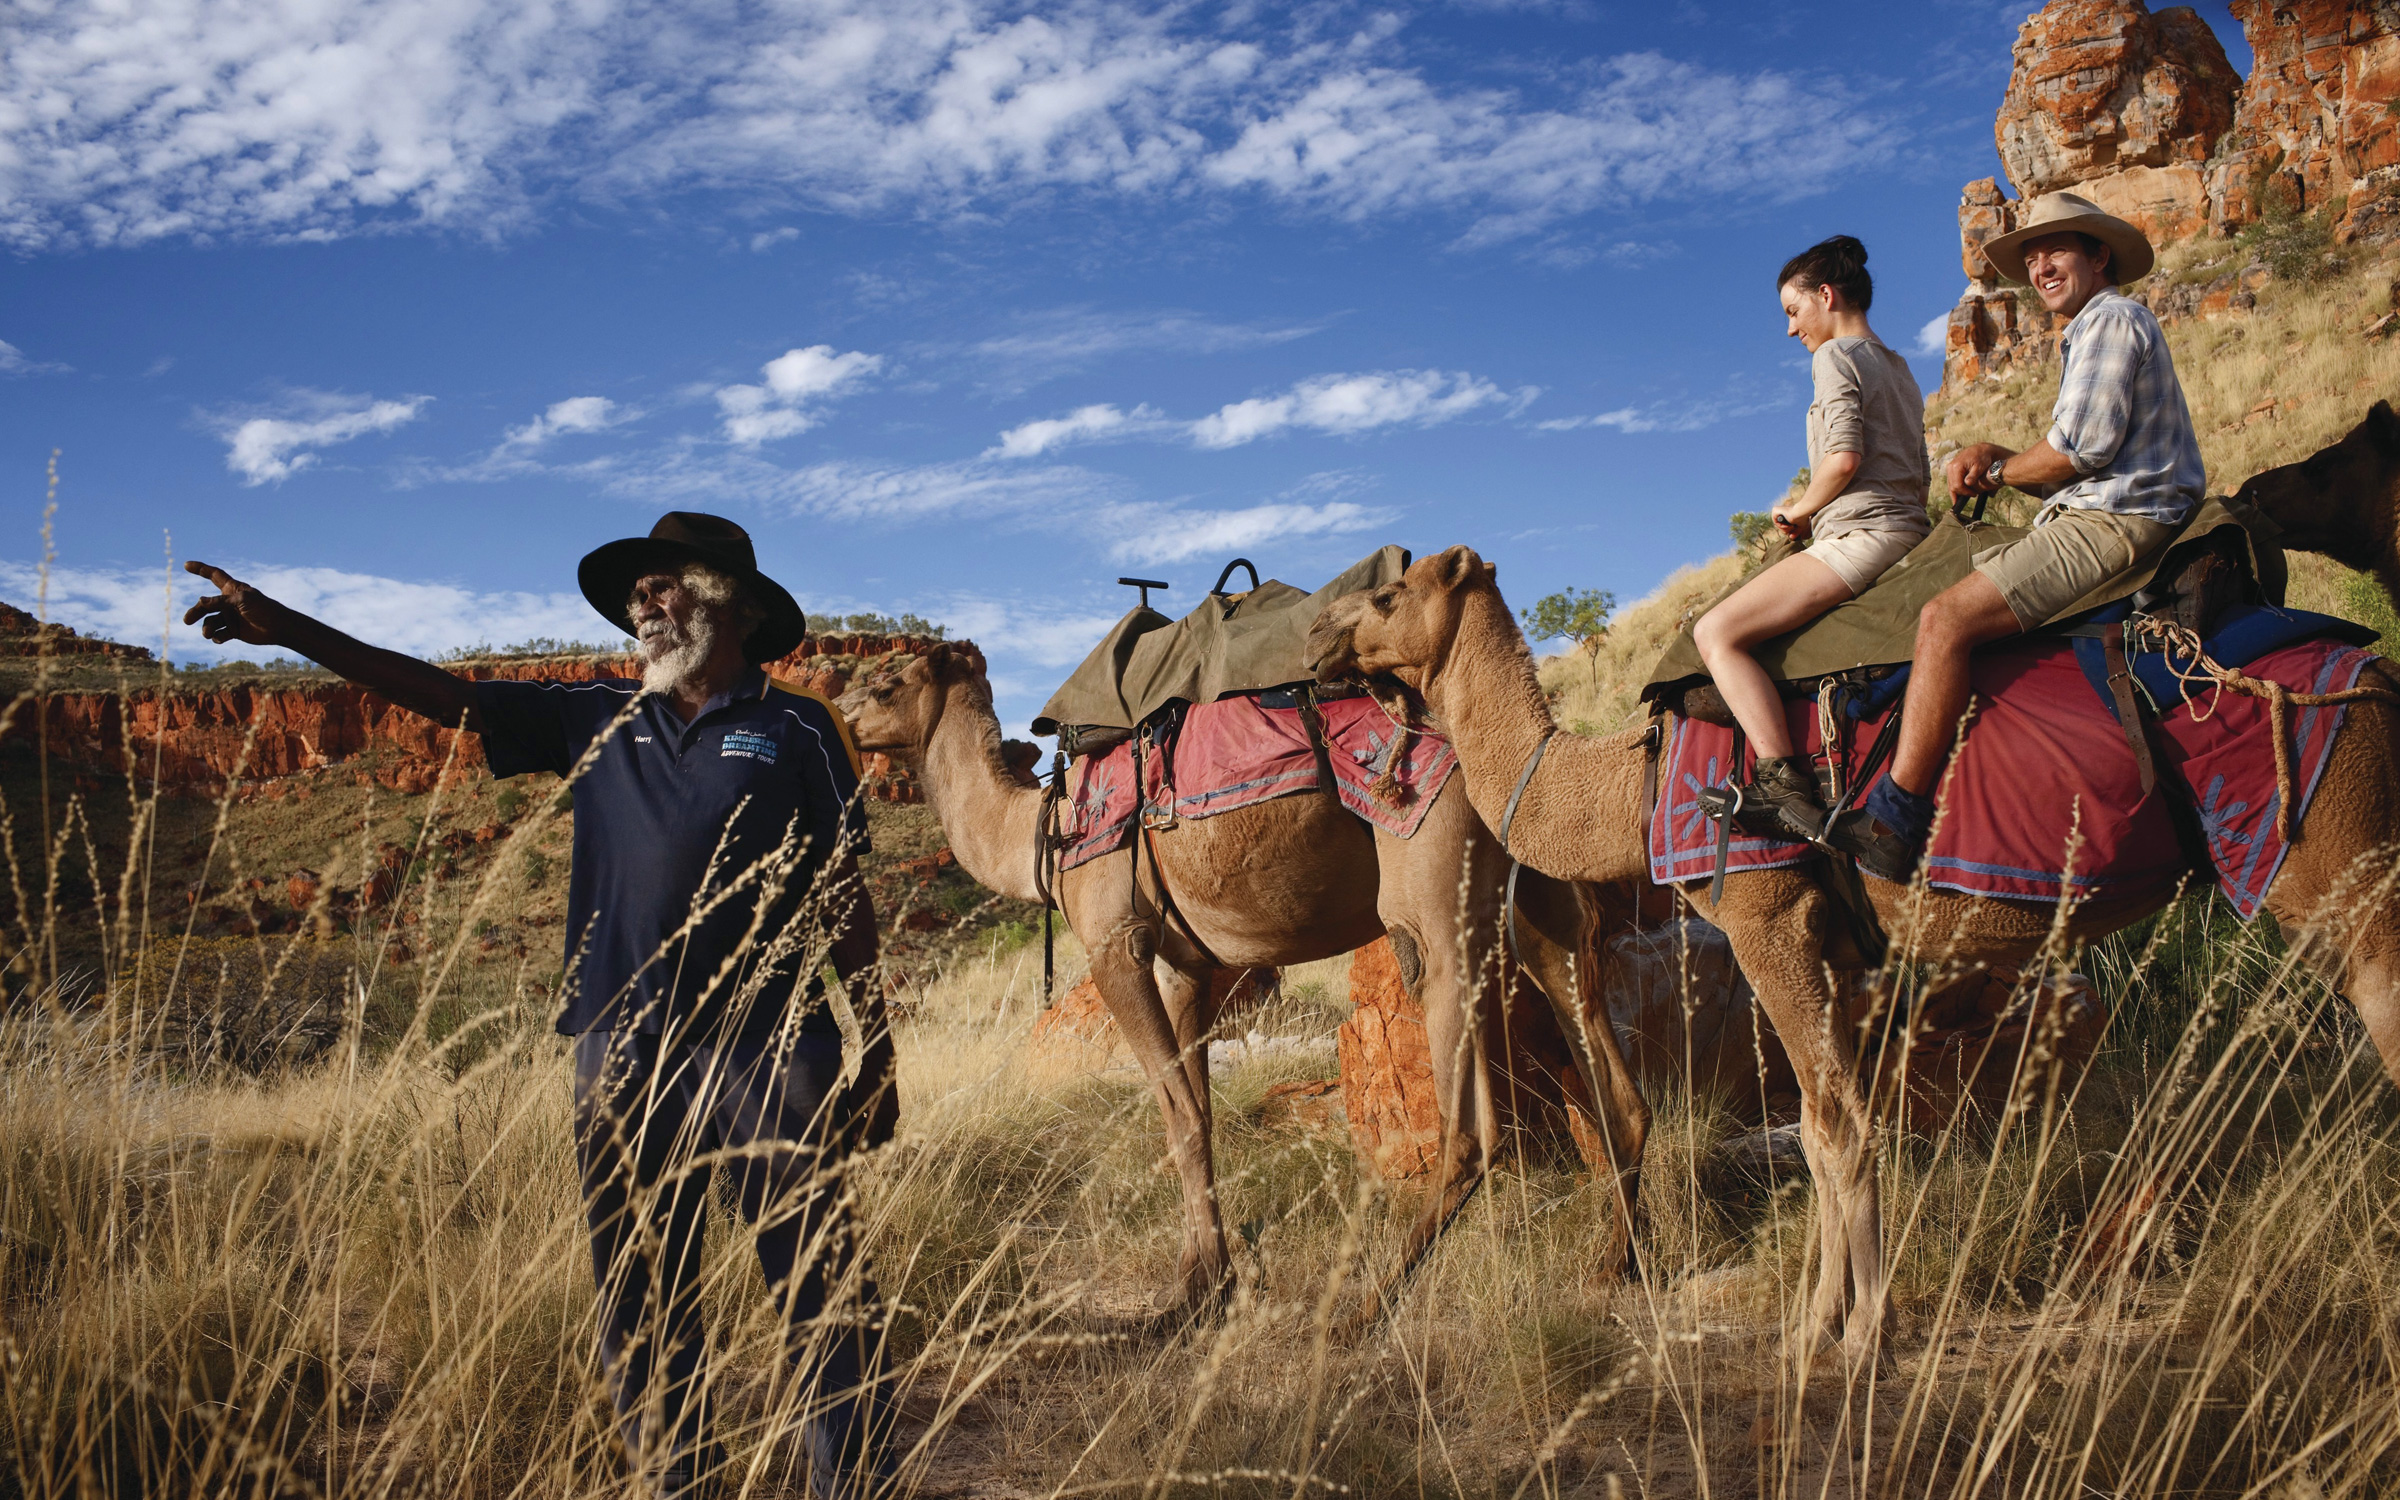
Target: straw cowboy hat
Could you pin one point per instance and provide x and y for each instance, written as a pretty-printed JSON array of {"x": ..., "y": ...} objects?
[
  {"x": 609, "y": 573},
  {"x": 2130, "y": 256}
]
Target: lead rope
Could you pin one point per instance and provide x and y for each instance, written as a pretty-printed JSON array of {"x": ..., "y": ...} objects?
[{"x": 1045, "y": 854}]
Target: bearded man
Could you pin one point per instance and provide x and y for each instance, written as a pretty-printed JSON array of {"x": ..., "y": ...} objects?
[{"x": 717, "y": 832}]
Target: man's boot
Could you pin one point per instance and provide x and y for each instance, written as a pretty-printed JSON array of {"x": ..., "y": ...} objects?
[{"x": 1886, "y": 834}]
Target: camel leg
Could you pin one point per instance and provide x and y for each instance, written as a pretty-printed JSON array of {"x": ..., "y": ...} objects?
[
  {"x": 1452, "y": 1002},
  {"x": 1121, "y": 962},
  {"x": 2337, "y": 896},
  {"x": 1554, "y": 921},
  {"x": 1778, "y": 921}
]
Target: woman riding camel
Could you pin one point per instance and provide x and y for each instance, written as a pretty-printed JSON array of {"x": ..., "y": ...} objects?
[{"x": 1863, "y": 510}]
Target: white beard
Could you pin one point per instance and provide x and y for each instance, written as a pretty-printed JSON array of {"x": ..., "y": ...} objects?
[{"x": 673, "y": 657}]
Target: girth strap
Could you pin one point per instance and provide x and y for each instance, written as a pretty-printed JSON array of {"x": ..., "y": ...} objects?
[{"x": 2129, "y": 712}]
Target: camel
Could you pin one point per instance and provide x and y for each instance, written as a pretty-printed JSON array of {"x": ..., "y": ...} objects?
[
  {"x": 1444, "y": 630},
  {"x": 1283, "y": 882}
]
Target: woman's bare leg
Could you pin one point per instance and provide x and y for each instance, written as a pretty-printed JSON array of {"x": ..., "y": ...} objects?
[{"x": 1784, "y": 597}]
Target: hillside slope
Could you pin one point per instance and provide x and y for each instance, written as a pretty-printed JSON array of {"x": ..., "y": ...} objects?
[{"x": 2268, "y": 386}]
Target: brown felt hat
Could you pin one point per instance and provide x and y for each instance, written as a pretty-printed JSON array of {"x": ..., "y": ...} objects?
[
  {"x": 2130, "y": 256},
  {"x": 608, "y": 574}
]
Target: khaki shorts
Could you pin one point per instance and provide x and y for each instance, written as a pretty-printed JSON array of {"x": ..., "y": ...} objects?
[
  {"x": 1860, "y": 557},
  {"x": 2067, "y": 557}
]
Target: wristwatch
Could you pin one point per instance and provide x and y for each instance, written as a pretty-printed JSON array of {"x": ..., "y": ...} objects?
[{"x": 1991, "y": 476}]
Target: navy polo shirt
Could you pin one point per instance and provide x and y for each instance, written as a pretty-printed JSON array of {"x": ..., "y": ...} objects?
[{"x": 670, "y": 813}]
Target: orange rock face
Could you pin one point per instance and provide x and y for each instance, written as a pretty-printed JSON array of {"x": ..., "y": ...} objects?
[
  {"x": 1387, "y": 1072},
  {"x": 198, "y": 741},
  {"x": 2103, "y": 86},
  {"x": 2316, "y": 126}
]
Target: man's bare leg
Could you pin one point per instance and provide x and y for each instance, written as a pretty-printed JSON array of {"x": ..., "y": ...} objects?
[
  {"x": 1886, "y": 832},
  {"x": 1968, "y": 614}
]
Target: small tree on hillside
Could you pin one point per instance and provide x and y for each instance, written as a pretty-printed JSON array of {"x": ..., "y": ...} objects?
[{"x": 1578, "y": 615}]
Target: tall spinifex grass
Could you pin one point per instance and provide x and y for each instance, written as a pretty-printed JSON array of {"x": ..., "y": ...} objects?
[{"x": 286, "y": 1216}]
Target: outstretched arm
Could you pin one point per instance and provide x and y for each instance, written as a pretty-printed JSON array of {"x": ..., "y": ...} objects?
[{"x": 238, "y": 612}]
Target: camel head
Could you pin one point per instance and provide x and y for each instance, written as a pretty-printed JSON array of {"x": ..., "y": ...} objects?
[
  {"x": 1402, "y": 628},
  {"x": 2342, "y": 501},
  {"x": 893, "y": 709}
]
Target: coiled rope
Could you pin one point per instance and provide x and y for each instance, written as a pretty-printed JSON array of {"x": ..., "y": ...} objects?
[{"x": 2172, "y": 641}]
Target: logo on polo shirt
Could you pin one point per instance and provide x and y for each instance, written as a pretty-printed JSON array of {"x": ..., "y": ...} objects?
[{"x": 755, "y": 746}]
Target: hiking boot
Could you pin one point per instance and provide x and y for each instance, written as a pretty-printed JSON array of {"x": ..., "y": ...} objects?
[
  {"x": 1778, "y": 802},
  {"x": 1881, "y": 850}
]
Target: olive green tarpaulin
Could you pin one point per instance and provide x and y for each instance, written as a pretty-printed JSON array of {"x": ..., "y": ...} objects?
[
  {"x": 1879, "y": 627},
  {"x": 1231, "y": 643}
]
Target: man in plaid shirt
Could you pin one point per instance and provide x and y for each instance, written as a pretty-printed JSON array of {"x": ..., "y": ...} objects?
[{"x": 2119, "y": 474}]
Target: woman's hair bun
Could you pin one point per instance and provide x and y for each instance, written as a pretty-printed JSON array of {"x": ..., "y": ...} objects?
[{"x": 1839, "y": 262}]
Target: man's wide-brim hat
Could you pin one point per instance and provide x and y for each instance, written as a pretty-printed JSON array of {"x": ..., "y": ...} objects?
[
  {"x": 609, "y": 573},
  {"x": 2130, "y": 256}
]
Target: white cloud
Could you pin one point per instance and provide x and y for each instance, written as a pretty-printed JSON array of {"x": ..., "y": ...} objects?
[
  {"x": 13, "y": 361},
  {"x": 312, "y": 119},
  {"x": 1060, "y": 340},
  {"x": 576, "y": 414},
  {"x": 1934, "y": 337},
  {"x": 1082, "y": 425},
  {"x": 275, "y": 448},
  {"x": 1165, "y": 534},
  {"x": 778, "y": 407},
  {"x": 420, "y": 618},
  {"x": 768, "y": 239},
  {"x": 1352, "y": 403},
  {"x": 1740, "y": 400},
  {"x": 850, "y": 490}
]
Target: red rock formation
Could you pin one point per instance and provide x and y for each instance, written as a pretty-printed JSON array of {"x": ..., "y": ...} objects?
[
  {"x": 2316, "y": 124},
  {"x": 1387, "y": 1072},
  {"x": 1077, "y": 1032},
  {"x": 2119, "y": 104},
  {"x": 198, "y": 740}
]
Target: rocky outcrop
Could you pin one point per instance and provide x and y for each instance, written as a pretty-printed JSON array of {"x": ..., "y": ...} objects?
[
  {"x": 1076, "y": 1034},
  {"x": 1387, "y": 1073},
  {"x": 201, "y": 739},
  {"x": 21, "y": 634},
  {"x": 2122, "y": 104},
  {"x": 2316, "y": 126}
]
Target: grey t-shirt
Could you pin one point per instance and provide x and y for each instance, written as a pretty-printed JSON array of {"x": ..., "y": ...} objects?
[{"x": 1868, "y": 404}]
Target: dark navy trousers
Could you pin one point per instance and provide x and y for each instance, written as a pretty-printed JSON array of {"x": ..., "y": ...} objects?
[{"x": 644, "y": 1116}]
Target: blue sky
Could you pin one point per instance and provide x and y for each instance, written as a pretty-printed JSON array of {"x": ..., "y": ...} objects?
[{"x": 961, "y": 310}]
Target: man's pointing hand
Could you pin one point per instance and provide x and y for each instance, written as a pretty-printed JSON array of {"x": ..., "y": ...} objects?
[{"x": 236, "y": 611}]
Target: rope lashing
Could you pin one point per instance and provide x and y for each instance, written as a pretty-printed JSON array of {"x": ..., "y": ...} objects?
[
  {"x": 2172, "y": 640},
  {"x": 1387, "y": 788}
]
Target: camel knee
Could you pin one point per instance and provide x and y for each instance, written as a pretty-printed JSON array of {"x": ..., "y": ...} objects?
[{"x": 1411, "y": 960}]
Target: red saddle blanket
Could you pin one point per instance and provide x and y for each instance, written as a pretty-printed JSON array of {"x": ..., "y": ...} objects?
[
  {"x": 2043, "y": 797},
  {"x": 1237, "y": 752}
]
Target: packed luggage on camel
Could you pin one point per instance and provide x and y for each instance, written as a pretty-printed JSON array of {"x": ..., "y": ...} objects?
[{"x": 2143, "y": 708}]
